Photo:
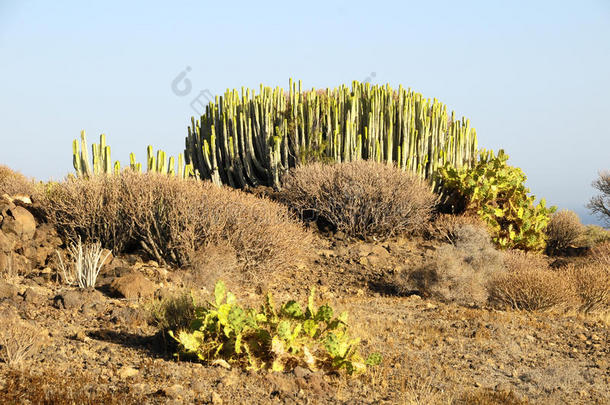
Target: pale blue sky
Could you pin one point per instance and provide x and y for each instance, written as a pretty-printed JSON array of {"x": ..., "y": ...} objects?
[{"x": 533, "y": 76}]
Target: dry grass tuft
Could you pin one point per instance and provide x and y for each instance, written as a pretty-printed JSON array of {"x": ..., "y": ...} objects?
[
  {"x": 15, "y": 183},
  {"x": 53, "y": 387},
  {"x": 172, "y": 313},
  {"x": 529, "y": 284},
  {"x": 489, "y": 397},
  {"x": 361, "y": 198},
  {"x": 19, "y": 339},
  {"x": 564, "y": 230}
]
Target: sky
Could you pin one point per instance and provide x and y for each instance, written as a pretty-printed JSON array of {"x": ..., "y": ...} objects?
[{"x": 532, "y": 76}]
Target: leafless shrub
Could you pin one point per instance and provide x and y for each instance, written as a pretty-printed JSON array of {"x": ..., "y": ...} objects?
[
  {"x": 15, "y": 183},
  {"x": 600, "y": 204},
  {"x": 360, "y": 198},
  {"x": 19, "y": 340},
  {"x": 84, "y": 263},
  {"x": 592, "y": 285},
  {"x": 445, "y": 227},
  {"x": 564, "y": 230},
  {"x": 594, "y": 235},
  {"x": 91, "y": 209},
  {"x": 171, "y": 218},
  {"x": 601, "y": 253},
  {"x": 529, "y": 284},
  {"x": 461, "y": 271}
]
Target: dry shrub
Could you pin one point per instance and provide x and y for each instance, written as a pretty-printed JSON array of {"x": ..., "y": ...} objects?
[
  {"x": 592, "y": 286},
  {"x": 172, "y": 313},
  {"x": 360, "y": 198},
  {"x": 594, "y": 235},
  {"x": 530, "y": 284},
  {"x": 564, "y": 230},
  {"x": 171, "y": 219},
  {"x": 14, "y": 183},
  {"x": 19, "y": 339},
  {"x": 460, "y": 272},
  {"x": 91, "y": 209},
  {"x": 601, "y": 253},
  {"x": 445, "y": 227}
]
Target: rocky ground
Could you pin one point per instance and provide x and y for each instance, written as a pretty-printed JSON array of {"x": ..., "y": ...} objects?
[{"x": 98, "y": 345}]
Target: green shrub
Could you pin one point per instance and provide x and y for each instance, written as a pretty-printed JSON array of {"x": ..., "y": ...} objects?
[
  {"x": 273, "y": 339},
  {"x": 360, "y": 198},
  {"x": 594, "y": 235},
  {"x": 496, "y": 192}
]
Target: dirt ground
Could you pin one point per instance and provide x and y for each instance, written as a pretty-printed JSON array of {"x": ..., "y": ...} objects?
[{"x": 101, "y": 349}]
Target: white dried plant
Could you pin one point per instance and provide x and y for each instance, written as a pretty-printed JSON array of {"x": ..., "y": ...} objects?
[{"x": 84, "y": 263}]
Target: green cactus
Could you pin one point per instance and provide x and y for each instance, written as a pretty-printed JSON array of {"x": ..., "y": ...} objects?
[
  {"x": 272, "y": 338},
  {"x": 102, "y": 162},
  {"x": 496, "y": 192},
  {"x": 253, "y": 139}
]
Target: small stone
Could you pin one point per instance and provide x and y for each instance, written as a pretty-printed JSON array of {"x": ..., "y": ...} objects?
[
  {"x": 32, "y": 297},
  {"x": 301, "y": 372},
  {"x": 81, "y": 336},
  {"x": 221, "y": 363},
  {"x": 582, "y": 337},
  {"x": 215, "y": 398},
  {"x": 133, "y": 286},
  {"x": 7, "y": 290},
  {"x": 176, "y": 391},
  {"x": 69, "y": 300},
  {"x": 127, "y": 371},
  {"x": 430, "y": 305}
]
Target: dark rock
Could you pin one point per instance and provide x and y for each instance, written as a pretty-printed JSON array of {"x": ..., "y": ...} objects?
[
  {"x": 127, "y": 316},
  {"x": 69, "y": 300},
  {"x": 19, "y": 222},
  {"x": 31, "y": 296},
  {"x": 133, "y": 286},
  {"x": 7, "y": 243},
  {"x": 301, "y": 372},
  {"x": 7, "y": 290}
]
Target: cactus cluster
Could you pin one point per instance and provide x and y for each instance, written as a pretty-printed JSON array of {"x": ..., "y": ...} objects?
[
  {"x": 253, "y": 139},
  {"x": 102, "y": 162},
  {"x": 496, "y": 192},
  {"x": 272, "y": 338}
]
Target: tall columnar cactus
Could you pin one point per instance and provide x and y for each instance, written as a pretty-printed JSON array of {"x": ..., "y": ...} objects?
[
  {"x": 102, "y": 163},
  {"x": 253, "y": 139}
]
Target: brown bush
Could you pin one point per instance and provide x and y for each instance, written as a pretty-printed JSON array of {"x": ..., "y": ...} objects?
[
  {"x": 171, "y": 218},
  {"x": 594, "y": 235},
  {"x": 14, "y": 183},
  {"x": 361, "y": 198},
  {"x": 91, "y": 209},
  {"x": 530, "y": 284},
  {"x": 461, "y": 271},
  {"x": 564, "y": 230},
  {"x": 445, "y": 227},
  {"x": 592, "y": 286},
  {"x": 601, "y": 253}
]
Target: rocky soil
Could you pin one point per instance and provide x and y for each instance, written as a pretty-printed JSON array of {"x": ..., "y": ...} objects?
[{"x": 98, "y": 345}]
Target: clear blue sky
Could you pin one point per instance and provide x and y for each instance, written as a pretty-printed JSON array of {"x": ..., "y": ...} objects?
[{"x": 533, "y": 76}]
